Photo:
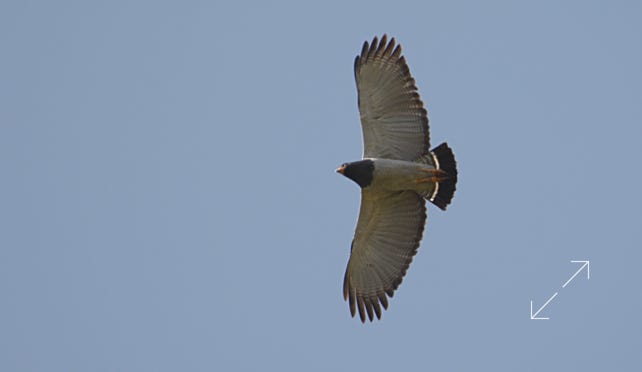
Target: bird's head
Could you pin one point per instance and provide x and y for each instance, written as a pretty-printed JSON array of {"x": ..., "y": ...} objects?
[{"x": 360, "y": 171}]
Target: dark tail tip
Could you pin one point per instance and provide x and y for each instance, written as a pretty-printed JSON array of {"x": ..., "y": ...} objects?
[{"x": 445, "y": 160}]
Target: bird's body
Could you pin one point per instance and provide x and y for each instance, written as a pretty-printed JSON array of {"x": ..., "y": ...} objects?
[{"x": 397, "y": 174}]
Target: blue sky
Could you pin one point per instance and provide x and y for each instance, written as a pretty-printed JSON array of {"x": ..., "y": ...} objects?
[{"x": 168, "y": 197}]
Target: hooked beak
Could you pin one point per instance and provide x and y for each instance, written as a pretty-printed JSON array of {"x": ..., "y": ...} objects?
[{"x": 341, "y": 169}]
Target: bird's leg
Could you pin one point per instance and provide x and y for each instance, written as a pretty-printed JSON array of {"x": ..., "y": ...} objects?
[{"x": 432, "y": 176}]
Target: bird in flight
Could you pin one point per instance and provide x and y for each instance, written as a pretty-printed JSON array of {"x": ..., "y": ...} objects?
[{"x": 397, "y": 174}]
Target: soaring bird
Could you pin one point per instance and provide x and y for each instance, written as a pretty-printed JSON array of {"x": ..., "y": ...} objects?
[{"x": 397, "y": 174}]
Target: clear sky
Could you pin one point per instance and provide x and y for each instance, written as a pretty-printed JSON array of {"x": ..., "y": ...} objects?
[{"x": 168, "y": 200}]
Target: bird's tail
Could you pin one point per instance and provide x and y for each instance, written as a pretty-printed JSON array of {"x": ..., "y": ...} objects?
[{"x": 443, "y": 159}]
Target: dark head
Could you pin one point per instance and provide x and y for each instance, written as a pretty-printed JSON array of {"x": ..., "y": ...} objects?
[{"x": 359, "y": 171}]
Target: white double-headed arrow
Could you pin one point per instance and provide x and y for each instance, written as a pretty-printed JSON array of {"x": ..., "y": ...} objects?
[{"x": 586, "y": 264}]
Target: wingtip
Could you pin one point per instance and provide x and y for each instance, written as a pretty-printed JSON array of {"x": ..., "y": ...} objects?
[
  {"x": 362, "y": 310},
  {"x": 364, "y": 49}
]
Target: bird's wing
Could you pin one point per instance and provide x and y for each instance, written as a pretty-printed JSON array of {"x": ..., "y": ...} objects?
[
  {"x": 393, "y": 118},
  {"x": 387, "y": 236}
]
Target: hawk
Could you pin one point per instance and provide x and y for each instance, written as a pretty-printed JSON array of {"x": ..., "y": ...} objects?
[{"x": 397, "y": 174}]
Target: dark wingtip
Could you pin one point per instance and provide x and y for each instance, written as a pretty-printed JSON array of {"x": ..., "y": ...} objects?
[
  {"x": 445, "y": 189},
  {"x": 362, "y": 310}
]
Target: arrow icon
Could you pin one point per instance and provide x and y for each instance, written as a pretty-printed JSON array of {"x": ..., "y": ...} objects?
[
  {"x": 534, "y": 316},
  {"x": 587, "y": 264}
]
